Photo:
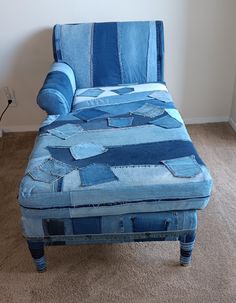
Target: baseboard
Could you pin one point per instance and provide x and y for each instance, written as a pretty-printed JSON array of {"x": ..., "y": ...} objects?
[
  {"x": 199, "y": 120},
  {"x": 232, "y": 123},
  {"x": 18, "y": 128}
]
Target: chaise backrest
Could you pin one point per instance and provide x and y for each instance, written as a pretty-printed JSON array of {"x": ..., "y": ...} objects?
[{"x": 112, "y": 53}]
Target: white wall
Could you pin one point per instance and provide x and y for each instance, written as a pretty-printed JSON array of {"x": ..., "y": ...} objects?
[
  {"x": 200, "y": 50},
  {"x": 233, "y": 109}
]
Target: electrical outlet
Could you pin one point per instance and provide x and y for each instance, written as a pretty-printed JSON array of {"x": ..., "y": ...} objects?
[{"x": 10, "y": 95}]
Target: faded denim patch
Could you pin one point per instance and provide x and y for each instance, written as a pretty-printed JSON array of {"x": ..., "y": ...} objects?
[
  {"x": 166, "y": 122},
  {"x": 149, "y": 110},
  {"x": 50, "y": 170},
  {"x": 65, "y": 131},
  {"x": 90, "y": 114},
  {"x": 184, "y": 167},
  {"x": 86, "y": 150},
  {"x": 120, "y": 122},
  {"x": 91, "y": 92},
  {"x": 123, "y": 91},
  {"x": 94, "y": 174},
  {"x": 162, "y": 96}
]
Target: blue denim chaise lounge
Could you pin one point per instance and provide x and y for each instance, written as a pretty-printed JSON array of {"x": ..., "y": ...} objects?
[{"x": 113, "y": 161}]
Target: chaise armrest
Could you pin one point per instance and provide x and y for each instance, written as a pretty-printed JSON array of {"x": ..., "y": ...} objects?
[{"x": 56, "y": 95}]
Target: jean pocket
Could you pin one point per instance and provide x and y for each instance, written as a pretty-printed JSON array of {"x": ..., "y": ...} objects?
[
  {"x": 166, "y": 122},
  {"x": 65, "y": 131},
  {"x": 185, "y": 167},
  {"x": 149, "y": 110},
  {"x": 50, "y": 170},
  {"x": 123, "y": 91},
  {"x": 90, "y": 114},
  {"x": 120, "y": 122},
  {"x": 86, "y": 150},
  {"x": 94, "y": 174},
  {"x": 91, "y": 92},
  {"x": 161, "y": 95}
]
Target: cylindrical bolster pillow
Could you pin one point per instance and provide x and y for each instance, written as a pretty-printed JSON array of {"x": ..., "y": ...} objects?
[{"x": 57, "y": 93}]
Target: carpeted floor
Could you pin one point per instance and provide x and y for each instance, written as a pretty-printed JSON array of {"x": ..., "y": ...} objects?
[{"x": 139, "y": 272}]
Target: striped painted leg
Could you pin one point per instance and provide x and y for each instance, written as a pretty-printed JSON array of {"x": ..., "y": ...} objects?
[
  {"x": 37, "y": 253},
  {"x": 186, "y": 247}
]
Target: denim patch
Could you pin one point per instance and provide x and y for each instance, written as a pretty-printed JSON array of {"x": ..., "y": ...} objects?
[
  {"x": 65, "y": 131},
  {"x": 166, "y": 122},
  {"x": 149, "y": 110},
  {"x": 50, "y": 170},
  {"x": 94, "y": 174},
  {"x": 161, "y": 95},
  {"x": 91, "y": 92},
  {"x": 86, "y": 150},
  {"x": 90, "y": 114},
  {"x": 123, "y": 91},
  {"x": 120, "y": 122},
  {"x": 185, "y": 167}
]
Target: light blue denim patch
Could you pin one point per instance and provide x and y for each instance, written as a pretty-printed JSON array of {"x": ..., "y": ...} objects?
[
  {"x": 149, "y": 110},
  {"x": 65, "y": 131},
  {"x": 91, "y": 92},
  {"x": 123, "y": 91},
  {"x": 120, "y": 122},
  {"x": 50, "y": 170},
  {"x": 96, "y": 174},
  {"x": 162, "y": 96},
  {"x": 166, "y": 122},
  {"x": 86, "y": 150},
  {"x": 90, "y": 114},
  {"x": 185, "y": 167}
]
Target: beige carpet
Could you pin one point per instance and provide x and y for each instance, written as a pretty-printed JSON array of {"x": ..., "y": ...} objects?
[{"x": 145, "y": 272}]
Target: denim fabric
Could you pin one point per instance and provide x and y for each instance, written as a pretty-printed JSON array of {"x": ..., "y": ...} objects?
[
  {"x": 120, "y": 122},
  {"x": 58, "y": 89},
  {"x": 123, "y": 91},
  {"x": 86, "y": 150},
  {"x": 50, "y": 170},
  {"x": 184, "y": 167},
  {"x": 91, "y": 92},
  {"x": 111, "y": 53},
  {"x": 149, "y": 110},
  {"x": 138, "y": 154},
  {"x": 133, "y": 41},
  {"x": 166, "y": 122},
  {"x": 91, "y": 225},
  {"x": 162, "y": 96},
  {"x": 96, "y": 174},
  {"x": 72, "y": 45},
  {"x": 65, "y": 131},
  {"x": 106, "y": 64},
  {"x": 90, "y": 114}
]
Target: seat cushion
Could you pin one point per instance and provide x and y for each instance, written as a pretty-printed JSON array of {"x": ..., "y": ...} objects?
[{"x": 122, "y": 149}]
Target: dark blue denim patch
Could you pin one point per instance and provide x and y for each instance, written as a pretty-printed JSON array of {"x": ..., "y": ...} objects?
[
  {"x": 123, "y": 91},
  {"x": 166, "y": 122},
  {"x": 162, "y": 96},
  {"x": 184, "y": 167},
  {"x": 90, "y": 114},
  {"x": 65, "y": 131},
  {"x": 135, "y": 154},
  {"x": 120, "y": 121},
  {"x": 50, "y": 170},
  {"x": 90, "y": 225},
  {"x": 149, "y": 110},
  {"x": 91, "y": 92},
  {"x": 96, "y": 174}
]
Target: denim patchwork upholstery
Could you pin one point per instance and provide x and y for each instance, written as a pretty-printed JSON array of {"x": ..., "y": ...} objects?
[
  {"x": 57, "y": 93},
  {"x": 111, "y": 53},
  {"x": 113, "y": 161},
  {"x": 118, "y": 161}
]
